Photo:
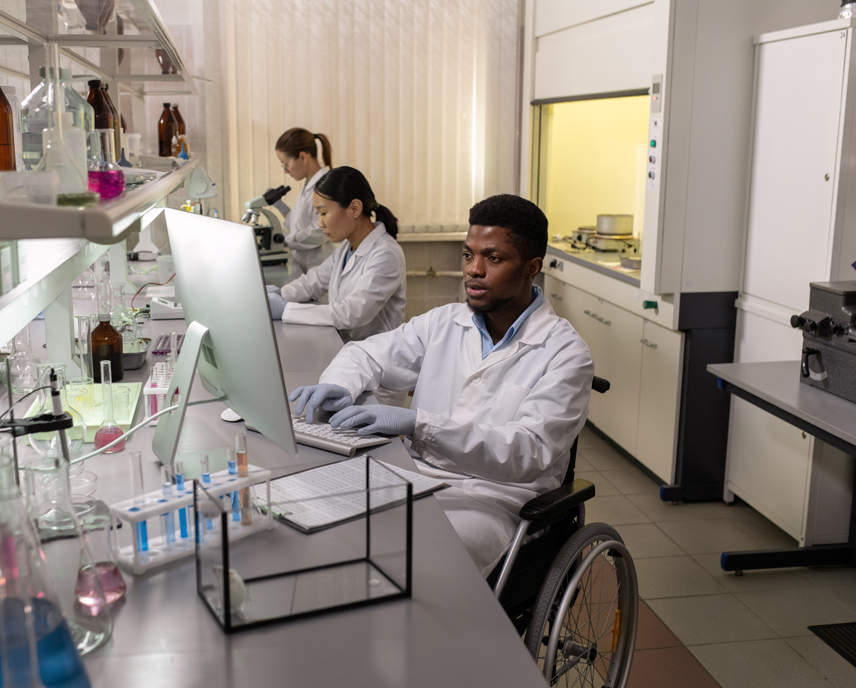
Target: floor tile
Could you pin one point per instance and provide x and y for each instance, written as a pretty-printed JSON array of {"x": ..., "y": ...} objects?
[
  {"x": 758, "y": 664},
  {"x": 834, "y": 575},
  {"x": 615, "y": 511},
  {"x": 588, "y": 438},
  {"x": 631, "y": 480},
  {"x": 675, "y": 667},
  {"x": 791, "y": 612},
  {"x": 603, "y": 487},
  {"x": 765, "y": 579},
  {"x": 582, "y": 465},
  {"x": 710, "y": 619},
  {"x": 646, "y": 540},
  {"x": 674, "y": 577},
  {"x": 603, "y": 456},
  {"x": 832, "y": 666},
  {"x": 713, "y": 535},
  {"x": 846, "y": 594},
  {"x": 662, "y": 512},
  {"x": 767, "y": 534},
  {"x": 652, "y": 633}
]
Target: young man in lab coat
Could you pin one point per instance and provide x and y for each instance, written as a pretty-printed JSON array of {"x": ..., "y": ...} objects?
[{"x": 500, "y": 384}]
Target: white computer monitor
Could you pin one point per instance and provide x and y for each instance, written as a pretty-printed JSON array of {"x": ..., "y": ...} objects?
[{"x": 230, "y": 339}]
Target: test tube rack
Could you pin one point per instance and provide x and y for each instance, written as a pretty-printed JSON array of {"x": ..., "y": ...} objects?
[
  {"x": 156, "y": 388},
  {"x": 159, "y": 550}
]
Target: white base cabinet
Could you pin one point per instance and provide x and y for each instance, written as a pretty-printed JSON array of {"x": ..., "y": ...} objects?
[{"x": 642, "y": 362}]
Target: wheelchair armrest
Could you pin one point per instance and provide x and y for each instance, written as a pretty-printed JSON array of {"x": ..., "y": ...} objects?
[{"x": 556, "y": 503}]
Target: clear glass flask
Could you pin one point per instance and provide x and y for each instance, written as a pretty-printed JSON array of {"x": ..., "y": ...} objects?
[
  {"x": 83, "y": 287},
  {"x": 109, "y": 430},
  {"x": 47, "y": 443},
  {"x": 23, "y": 364},
  {"x": 122, "y": 317},
  {"x": 105, "y": 176},
  {"x": 37, "y": 647},
  {"x": 99, "y": 534}
]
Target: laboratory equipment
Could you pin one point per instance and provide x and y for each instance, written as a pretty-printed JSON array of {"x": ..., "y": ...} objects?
[
  {"x": 169, "y": 517},
  {"x": 167, "y": 132},
  {"x": 848, "y": 9},
  {"x": 182, "y": 513},
  {"x": 269, "y": 236},
  {"x": 74, "y": 140},
  {"x": 243, "y": 464},
  {"x": 11, "y": 94},
  {"x": 155, "y": 389},
  {"x": 118, "y": 123},
  {"x": 109, "y": 430},
  {"x": 80, "y": 388},
  {"x": 83, "y": 287},
  {"x": 48, "y": 443},
  {"x": 28, "y": 187},
  {"x": 102, "y": 113},
  {"x": 222, "y": 316},
  {"x": 205, "y": 467},
  {"x": 7, "y": 134},
  {"x": 23, "y": 364},
  {"x": 122, "y": 317},
  {"x": 234, "y": 498},
  {"x": 105, "y": 176},
  {"x": 336, "y": 440},
  {"x": 179, "y": 121},
  {"x": 138, "y": 501},
  {"x": 106, "y": 345},
  {"x": 37, "y": 648},
  {"x": 99, "y": 534},
  {"x": 134, "y": 353},
  {"x": 165, "y": 61}
]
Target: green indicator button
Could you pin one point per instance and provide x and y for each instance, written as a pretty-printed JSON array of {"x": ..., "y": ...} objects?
[
  {"x": 646, "y": 305},
  {"x": 653, "y": 143}
]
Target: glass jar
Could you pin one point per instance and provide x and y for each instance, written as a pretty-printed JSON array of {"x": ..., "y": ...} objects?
[{"x": 105, "y": 176}]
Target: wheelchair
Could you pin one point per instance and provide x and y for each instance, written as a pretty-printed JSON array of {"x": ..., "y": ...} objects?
[{"x": 571, "y": 591}]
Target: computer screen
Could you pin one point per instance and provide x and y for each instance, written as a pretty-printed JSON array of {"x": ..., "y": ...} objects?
[{"x": 222, "y": 286}]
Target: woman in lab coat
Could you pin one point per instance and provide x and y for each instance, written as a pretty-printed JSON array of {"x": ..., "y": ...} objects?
[
  {"x": 364, "y": 278},
  {"x": 297, "y": 150}
]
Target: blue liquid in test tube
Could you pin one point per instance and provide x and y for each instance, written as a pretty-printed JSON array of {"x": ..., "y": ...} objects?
[
  {"x": 233, "y": 470},
  {"x": 182, "y": 513},
  {"x": 206, "y": 480},
  {"x": 139, "y": 499},
  {"x": 169, "y": 517}
]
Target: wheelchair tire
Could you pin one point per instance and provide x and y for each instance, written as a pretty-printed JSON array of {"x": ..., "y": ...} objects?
[{"x": 593, "y": 644}]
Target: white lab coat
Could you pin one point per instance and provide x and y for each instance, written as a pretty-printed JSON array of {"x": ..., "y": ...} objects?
[
  {"x": 309, "y": 247},
  {"x": 498, "y": 430},
  {"x": 366, "y": 296}
]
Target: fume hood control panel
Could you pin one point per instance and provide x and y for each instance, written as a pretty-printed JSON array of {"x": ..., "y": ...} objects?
[{"x": 655, "y": 130}]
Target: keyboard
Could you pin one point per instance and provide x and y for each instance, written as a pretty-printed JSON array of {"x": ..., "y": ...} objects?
[{"x": 344, "y": 441}]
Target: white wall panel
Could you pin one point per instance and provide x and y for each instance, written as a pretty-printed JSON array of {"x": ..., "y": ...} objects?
[{"x": 555, "y": 15}]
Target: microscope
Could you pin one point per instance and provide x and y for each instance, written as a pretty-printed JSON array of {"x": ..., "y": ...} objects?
[{"x": 269, "y": 236}]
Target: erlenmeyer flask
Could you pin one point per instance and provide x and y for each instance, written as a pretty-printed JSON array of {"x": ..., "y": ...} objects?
[
  {"x": 67, "y": 555},
  {"x": 23, "y": 364},
  {"x": 105, "y": 176},
  {"x": 47, "y": 443},
  {"x": 36, "y": 648}
]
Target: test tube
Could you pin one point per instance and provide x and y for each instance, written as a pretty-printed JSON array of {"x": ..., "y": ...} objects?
[
  {"x": 182, "y": 513},
  {"x": 173, "y": 349},
  {"x": 139, "y": 499},
  {"x": 243, "y": 472},
  {"x": 169, "y": 517},
  {"x": 206, "y": 481},
  {"x": 233, "y": 470}
]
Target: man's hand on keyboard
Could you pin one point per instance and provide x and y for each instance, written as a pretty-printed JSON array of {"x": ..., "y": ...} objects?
[
  {"x": 387, "y": 420},
  {"x": 328, "y": 397}
]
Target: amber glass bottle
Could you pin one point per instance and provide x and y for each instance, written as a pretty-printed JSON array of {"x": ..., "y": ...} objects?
[
  {"x": 106, "y": 346},
  {"x": 103, "y": 112},
  {"x": 117, "y": 124},
  {"x": 182, "y": 130},
  {"x": 167, "y": 132},
  {"x": 7, "y": 135}
]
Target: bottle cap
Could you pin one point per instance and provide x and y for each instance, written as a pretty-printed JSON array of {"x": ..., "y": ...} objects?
[
  {"x": 166, "y": 105},
  {"x": 94, "y": 83},
  {"x": 103, "y": 317}
]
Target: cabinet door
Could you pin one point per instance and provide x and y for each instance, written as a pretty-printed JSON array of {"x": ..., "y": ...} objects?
[
  {"x": 618, "y": 358},
  {"x": 798, "y": 106},
  {"x": 659, "y": 400},
  {"x": 554, "y": 290}
]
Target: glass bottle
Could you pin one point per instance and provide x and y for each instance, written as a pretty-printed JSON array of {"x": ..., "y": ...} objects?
[
  {"x": 179, "y": 121},
  {"x": 103, "y": 115},
  {"x": 109, "y": 429},
  {"x": 117, "y": 120},
  {"x": 105, "y": 176},
  {"x": 106, "y": 346},
  {"x": 122, "y": 317},
  {"x": 38, "y": 648},
  {"x": 66, "y": 554},
  {"x": 7, "y": 135},
  {"x": 848, "y": 9},
  {"x": 34, "y": 116},
  {"x": 47, "y": 443},
  {"x": 167, "y": 133},
  {"x": 23, "y": 364}
]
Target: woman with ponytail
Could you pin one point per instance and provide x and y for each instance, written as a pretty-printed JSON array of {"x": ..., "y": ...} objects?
[
  {"x": 297, "y": 150},
  {"x": 365, "y": 276}
]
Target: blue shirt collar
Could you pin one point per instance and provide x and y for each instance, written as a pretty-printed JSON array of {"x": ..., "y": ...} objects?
[{"x": 488, "y": 346}]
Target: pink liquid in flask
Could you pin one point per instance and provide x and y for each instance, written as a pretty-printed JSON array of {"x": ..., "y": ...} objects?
[
  {"x": 106, "y": 435},
  {"x": 109, "y": 183},
  {"x": 111, "y": 581}
]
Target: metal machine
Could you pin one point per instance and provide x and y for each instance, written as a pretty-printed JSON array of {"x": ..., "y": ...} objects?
[{"x": 269, "y": 236}]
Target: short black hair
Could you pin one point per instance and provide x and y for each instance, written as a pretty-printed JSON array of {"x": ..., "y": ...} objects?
[{"x": 524, "y": 220}]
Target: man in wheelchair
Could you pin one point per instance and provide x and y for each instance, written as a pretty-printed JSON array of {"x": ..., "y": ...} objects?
[{"x": 500, "y": 385}]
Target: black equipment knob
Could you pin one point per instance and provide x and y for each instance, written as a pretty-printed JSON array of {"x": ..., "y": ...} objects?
[
  {"x": 797, "y": 321},
  {"x": 554, "y": 263},
  {"x": 278, "y": 239}
]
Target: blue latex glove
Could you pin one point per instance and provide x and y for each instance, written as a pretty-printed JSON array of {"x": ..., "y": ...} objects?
[
  {"x": 276, "y": 301},
  {"x": 328, "y": 397},
  {"x": 386, "y": 420}
]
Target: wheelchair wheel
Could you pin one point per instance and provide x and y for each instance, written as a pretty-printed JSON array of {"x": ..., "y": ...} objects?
[{"x": 583, "y": 627}]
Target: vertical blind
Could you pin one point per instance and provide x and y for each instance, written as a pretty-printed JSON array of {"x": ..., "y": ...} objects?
[{"x": 421, "y": 95}]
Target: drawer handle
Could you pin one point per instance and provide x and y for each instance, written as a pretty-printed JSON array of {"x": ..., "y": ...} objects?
[
  {"x": 605, "y": 321},
  {"x": 587, "y": 312},
  {"x": 557, "y": 297},
  {"x": 651, "y": 345}
]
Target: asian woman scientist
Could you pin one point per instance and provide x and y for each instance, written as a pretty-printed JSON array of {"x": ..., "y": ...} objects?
[
  {"x": 297, "y": 150},
  {"x": 364, "y": 278}
]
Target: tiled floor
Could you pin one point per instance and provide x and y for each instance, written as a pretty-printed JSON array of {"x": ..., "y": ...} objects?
[{"x": 700, "y": 627}]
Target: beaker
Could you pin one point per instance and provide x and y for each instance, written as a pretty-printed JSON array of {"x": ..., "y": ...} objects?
[
  {"x": 105, "y": 176},
  {"x": 47, "y": 443},
  {"x": 23, "y": 364},
  {"x": 109, "y": 430},
  {"x": 66, "y": 552},
  {"x": 99, "y": 534},
  {"x": 36, "y": 646},
  {"x": 123, "y": 318},
  {"x": 83, "y": 287},
  {"x": 81, "y": 386}
]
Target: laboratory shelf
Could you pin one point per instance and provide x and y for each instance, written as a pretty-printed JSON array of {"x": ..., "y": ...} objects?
[{"x": 107, "y": 223}]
